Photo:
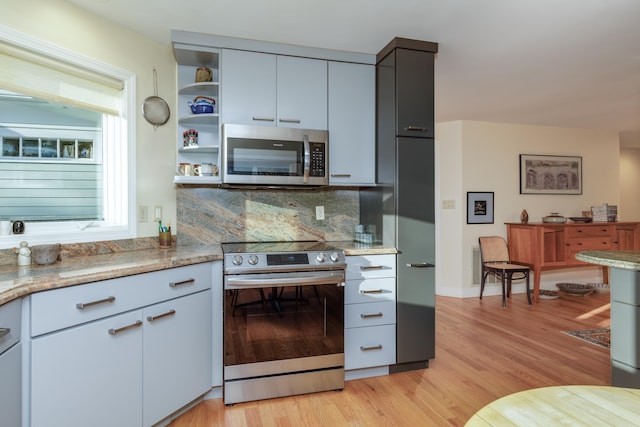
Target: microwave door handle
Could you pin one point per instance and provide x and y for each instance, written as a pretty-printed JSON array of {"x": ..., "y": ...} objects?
[{"x": 307, "y": 158}]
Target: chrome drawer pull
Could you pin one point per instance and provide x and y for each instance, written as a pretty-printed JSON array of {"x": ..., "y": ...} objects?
[
  {"x": 263, "y": 119},
  {"x": 421, "y": 265},
  {"x": 375, "y": 347},
  {"x": 371, "y": 267},
  {"x": 340, "y": 175},
  {"x": 160, "y": 316},
  {"x": 137, "y": 324},
  {"x": 289, "y": 120},
  {"x": 184, "y": 282},
  {"x": 4, "y": 332},
  {"x": 371, "y": 291},
  {"x": 367, "y": 316},
  {"x": 83, "y": 305},
  {"x": 416, "y": 128}
]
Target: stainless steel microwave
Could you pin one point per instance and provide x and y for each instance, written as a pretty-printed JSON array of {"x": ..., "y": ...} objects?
[{"x": 273, "y": 156}]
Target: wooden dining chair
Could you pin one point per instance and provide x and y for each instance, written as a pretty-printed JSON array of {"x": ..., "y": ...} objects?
[{"x": 494, "y": 255}]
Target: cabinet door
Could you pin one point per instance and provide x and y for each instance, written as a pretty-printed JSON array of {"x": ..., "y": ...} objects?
[
  {"x": 414, "y": 92},
  {"x": 11, "y": 386},
  {"x": 248, "y": 88},
  {"x": 352, "y": 139},
  {"x": 302, "y": 93},
  {"x": 89, "y": 375},
  {"x": 177, "y": 354}
]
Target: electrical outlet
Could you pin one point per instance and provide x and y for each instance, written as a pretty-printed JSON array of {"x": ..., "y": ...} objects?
[
  {"x": 319, "y": 213},
  {"x": 143, "y": 213},
  {"x": 157, "y": 213}
]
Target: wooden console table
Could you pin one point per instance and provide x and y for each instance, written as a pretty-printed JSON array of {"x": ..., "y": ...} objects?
[{"x": 547, "y": 246}]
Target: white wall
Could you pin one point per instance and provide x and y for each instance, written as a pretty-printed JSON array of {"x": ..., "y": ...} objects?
[
  {"x": 478, "y": 156},
  {"x": 629, "y": 208},
  {"x": 65, "y": 25}
]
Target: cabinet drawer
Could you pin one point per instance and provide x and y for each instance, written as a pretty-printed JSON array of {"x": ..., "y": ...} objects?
[
  {"x": 369, "y": 314},
  {"x": 370, "y": 290},
  {"x": 61, "y": 308},
  {"x": 590, "y": 244},
  {"x": 10, "y": 315},
  {"x": 591, "y": 231},
  {"x": 371, "y": 266},
  {"x": 369, "y": 347}
]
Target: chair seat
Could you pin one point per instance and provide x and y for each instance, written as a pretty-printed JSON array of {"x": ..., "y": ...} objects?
[{"x": 506, "y": 266}]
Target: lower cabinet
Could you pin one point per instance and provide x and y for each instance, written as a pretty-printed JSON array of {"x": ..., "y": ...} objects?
[
  {"x": 10, "y": 364},
  {"x": 370, "y": 312},
  {"x": 127, "y": 369}
]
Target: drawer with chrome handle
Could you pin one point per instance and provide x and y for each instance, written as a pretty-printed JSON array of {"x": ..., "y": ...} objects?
[
  {"x": 370, "y": 290},
  {"x": 369, "y": 314},
  {"x": 369, "y": 346},
  {"x": 371, "y": 266}
]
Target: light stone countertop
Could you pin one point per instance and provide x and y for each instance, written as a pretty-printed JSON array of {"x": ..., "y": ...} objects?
[
  {"x": 626, "y": 260},
  {"x": 18, "y": 281}
]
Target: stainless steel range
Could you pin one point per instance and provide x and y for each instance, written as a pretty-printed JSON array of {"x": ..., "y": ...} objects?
[{"x": 283, "y": 319}]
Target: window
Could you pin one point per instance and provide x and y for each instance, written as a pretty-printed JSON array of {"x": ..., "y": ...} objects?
[{"x": 66, "y": 163}]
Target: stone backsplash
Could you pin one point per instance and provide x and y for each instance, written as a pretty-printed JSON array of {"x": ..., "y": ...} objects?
[{"x": 213, "y": 215}]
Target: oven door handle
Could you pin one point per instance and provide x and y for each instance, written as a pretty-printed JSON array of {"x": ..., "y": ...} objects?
[{"x": 280, "y": 281}]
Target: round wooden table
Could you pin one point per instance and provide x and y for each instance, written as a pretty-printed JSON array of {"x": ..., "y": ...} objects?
[{"x": 563, "y": 405}]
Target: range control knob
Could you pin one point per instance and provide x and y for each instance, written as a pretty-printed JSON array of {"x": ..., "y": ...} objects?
[
  {"x": 320, "y": 258},
  {"x": 237, "y": 260},
  {"x": 335, "y": 257},
  {"x": 253, "y": 259}
]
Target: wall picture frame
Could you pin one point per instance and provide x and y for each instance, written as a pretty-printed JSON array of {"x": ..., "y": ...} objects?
[
  {"x": 541, "y": 174},
  {"x": 480, "y": 207}
]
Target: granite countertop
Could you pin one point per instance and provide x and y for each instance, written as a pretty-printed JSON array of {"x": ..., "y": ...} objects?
[
  {"x": 626, "y": 260},
  {"x": 17, "y": 281}
]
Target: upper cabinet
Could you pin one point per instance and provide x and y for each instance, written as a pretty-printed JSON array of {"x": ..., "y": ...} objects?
[
  {"x": 273, "y": 90},
  {"x": 352, "y": 124}
]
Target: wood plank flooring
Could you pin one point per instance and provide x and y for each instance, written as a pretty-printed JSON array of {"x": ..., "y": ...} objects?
[{"x": 483, "y": 352}]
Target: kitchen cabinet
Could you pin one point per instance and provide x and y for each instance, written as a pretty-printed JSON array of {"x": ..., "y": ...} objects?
[
  {"x": 402, "y": 205},
  {"x": 11, "y": 364},
  {"x": 370, "y": 311},
  {"x": 206, "y": 124},
  {"x": 352, "y": 124},
  {"x": 273, "y": 90},
  {"x": 140, "y": 344}
]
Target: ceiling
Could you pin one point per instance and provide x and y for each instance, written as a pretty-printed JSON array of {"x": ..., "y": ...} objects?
[{"x": 568, "y": 63}]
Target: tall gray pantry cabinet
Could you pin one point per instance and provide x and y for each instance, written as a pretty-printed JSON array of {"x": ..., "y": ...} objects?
[{"x": 403, "y": 205}]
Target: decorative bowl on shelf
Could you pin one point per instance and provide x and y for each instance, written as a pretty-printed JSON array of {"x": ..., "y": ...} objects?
[
  {"x": 554, "y": 218},
  {"x": 580, "y": 219}
]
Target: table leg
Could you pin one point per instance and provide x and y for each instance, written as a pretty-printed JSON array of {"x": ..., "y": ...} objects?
[{"x": 537, "y": 272}]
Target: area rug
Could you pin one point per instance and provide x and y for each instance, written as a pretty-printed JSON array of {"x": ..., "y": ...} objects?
[{"x": 598, "y": 336}]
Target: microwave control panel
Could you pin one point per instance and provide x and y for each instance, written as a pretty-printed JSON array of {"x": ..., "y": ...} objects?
[{"x": 318, "y": 159}]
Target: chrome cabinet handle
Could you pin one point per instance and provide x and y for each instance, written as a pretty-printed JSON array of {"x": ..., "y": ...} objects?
[
  {"x": 374, "y": 347},
  {"x": 416, "y": 128},
  {"x": 137, "y": 324},
  {"x": 289, "y": 120},
  {"x": 421, "y": 265},
  {"x": 160, "y": 316},
  {"x": 4, "y": 332},
  {"x": 371, "y": 267},
  {"x": 83, "y": 305},
  {"x": 183, "y": 282},
  {"x": 371, "y": 291},
  {"x": 368, "y": 316},
  {"x": 341, "y": 175},
  {"x": 263, "y": 119}
]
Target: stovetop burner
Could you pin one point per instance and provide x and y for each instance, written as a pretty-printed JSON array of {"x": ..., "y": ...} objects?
[{"x": 259, "y": 257}]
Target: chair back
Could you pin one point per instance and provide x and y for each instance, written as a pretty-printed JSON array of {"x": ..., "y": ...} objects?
[{"x": 493, "y": 249}]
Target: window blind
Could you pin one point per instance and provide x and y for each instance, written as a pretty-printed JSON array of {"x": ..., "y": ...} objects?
[{"x": 31, "y": 73}]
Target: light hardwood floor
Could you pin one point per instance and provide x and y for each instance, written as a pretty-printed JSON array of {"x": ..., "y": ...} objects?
[{"x": 483, "y": 352}]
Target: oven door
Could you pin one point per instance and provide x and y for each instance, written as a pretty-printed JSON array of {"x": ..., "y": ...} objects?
[{"x": 277, "y": 323}]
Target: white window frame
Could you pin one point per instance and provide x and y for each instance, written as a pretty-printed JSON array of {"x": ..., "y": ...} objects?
[{"x": 121, "y": 208}]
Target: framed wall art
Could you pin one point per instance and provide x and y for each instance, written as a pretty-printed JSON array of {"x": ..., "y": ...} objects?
[
  {"x": 479, "y": 207},
  {"x": 550, "y": 174}
]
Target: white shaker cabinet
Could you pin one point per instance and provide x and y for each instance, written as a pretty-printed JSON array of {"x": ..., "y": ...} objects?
[
  {"x": 273, "y": 90},
  {"x": 10, "y": 364},
  {"x": 352, "y": 124}
]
